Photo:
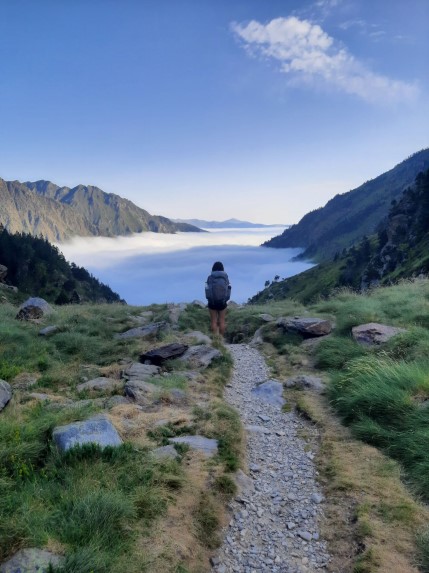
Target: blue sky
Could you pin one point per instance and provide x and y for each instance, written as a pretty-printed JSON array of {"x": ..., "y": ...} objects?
[{"x": 255, "y": 109}]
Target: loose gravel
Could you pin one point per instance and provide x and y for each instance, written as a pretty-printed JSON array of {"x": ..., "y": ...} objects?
[{"x": 275, "y": 519}]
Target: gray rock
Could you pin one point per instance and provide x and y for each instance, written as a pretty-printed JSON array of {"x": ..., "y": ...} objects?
[
  {"x": 266, "y": 317},
  {"x": 142, "y": 392},
  {"x": 271, "y": 392},
  {"x": 264, "y": 418},
  {"x": 8, "y": 287},
  {"x": 33, "y": 309},
  {"x": 200, "y": 356},
  {"x": 48, "y": 330},
  {"x": 175, "y": 310},
  {"x": 25, "y": 380},
  {"x": 373, "y": 334},
  {"x": 5, "y": 394},
  {"x": 97, "y": 430},
  {"x": 257, "y": 338},
  {"x": 244, "y": 483},
  {"x": 308, "y": 327},
  {"x": 317, "y": 497},
  {"x": 147, "y": 331},
  {"x": 3, "y": 273},
  {"x": 165, "y": 452},
  {"x": 206, "y": 445},
  {"x": 31, "y": 560},
  {"x": 101, "y": 384},
  {"x": 162, "y": 354},
  {"x": 116, "y": 401},
  {"x": 137, "y": 371},
  {"x": 198, "y": 336},
  {"x": 303, "y": 382},
  {"x": 199, "y": 303},
  {"x": 257, "y": 429},
  {"x": 305, "y": 535}
]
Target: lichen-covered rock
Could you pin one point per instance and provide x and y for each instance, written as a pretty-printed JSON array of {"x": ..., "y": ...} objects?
[
  {"x": 373, "y": 334},
  {"x": 147, "y": 331},
  {"x": 33, "y": 309},
  {"x": 100, "y": 384},
  {"x": 5, "y": 394},
  {"x": 137, "y": 371},
  {"x": 31, "y": 560},
  {"x": 200, "y": 356},
  {"x": 307, "y": 327},
  {"x": 97, "y": 430},
  {"x": 165, "y": 452}
]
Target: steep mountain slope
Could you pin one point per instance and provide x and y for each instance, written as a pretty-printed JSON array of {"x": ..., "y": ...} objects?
[
  {"x": 346, "y": 218},
  {"x": 59, "y": 213},
  {"x": 399, "y": 250}
]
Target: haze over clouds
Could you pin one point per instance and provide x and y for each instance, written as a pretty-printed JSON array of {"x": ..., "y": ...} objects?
[{"x": 153, "y": 268}]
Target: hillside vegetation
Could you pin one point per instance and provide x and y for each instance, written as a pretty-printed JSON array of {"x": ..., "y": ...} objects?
[
  {"x": 348, "y": 217},
  {"x": 400, "y": 249},
  {"x": 36, "y": 266}
]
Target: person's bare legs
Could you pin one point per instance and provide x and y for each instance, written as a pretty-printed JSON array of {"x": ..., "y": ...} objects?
[
  {"x": 214, "y": 321},
  {"x": 222, "y": 315}
]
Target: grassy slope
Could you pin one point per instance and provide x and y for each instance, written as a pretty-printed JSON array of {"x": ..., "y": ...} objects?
[{"x": 100, "y": 508}]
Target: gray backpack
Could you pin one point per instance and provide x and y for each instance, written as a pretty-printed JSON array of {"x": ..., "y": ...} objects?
[{"x": 218, "y": 289}]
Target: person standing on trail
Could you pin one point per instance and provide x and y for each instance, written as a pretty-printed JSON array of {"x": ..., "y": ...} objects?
[{"x": 218, "y": 293}]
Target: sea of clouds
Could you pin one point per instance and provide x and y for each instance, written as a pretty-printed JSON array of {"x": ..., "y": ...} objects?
[{"x": 147, "y": 268}]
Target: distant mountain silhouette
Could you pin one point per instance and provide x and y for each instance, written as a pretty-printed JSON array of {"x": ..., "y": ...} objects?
[
  {"x": 228, "y": 224},
  {"x": 58, "y": 213},
  {"x": 346, "y": 218}
]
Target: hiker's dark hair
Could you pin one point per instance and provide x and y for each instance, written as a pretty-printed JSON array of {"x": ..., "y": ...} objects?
[{"x": 218, "y": 266}]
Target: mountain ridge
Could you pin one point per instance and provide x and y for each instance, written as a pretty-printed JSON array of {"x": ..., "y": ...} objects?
[
  {"x": 229, "y": 223},
  {"x": 59, "y": 213}
]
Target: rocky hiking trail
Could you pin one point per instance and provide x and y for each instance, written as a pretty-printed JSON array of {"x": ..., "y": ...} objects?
[{"x": 275, "y": 519}]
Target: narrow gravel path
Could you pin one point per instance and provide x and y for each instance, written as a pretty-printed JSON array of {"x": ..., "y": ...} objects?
[{"x": 275, "y": 520}]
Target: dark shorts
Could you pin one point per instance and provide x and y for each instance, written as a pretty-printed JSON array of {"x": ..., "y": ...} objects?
[{"x": 217, "y": 306}]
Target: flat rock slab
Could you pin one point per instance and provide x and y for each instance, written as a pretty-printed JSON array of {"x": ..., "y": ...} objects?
[
  {"x": 143, "y": 331},
  {"x": 97, "y": 430},
  {"x": 33, "y": 309},
  {"x": 307, "y": 327},
  {"x": 205, "y": 445},
  {"x": 200, "y": 356},
  {"x": 373, "y": 334},
  {"x": 270, "y": 392},
  {"x": 165, "y": 452},
  {"x": 160, "y": 355},
  {"x": 5, "y": 394},
  {"x": 100, "y": 384},
  {"x": 137, "y": 371},
  {"x": 31, "y": 560},
  {"x": 303, "y": 382},
  {"x": 199, "y": 336},
  {"x": 48, "y": 330}
]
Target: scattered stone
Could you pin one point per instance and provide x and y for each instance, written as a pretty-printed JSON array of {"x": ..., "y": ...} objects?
[
  {"x": 33, "y": 309},
  {"x": 206, "y": 445},
  {"x": 165, "y": 452},
  {"x": 5, "y": 394},
  {"x": 137, "y": 371},
  {"x": 100, "y": 385},
  {"x": 257, "y": 338},
  {"x": 160, "y": 355},
  {"x": 48, "y": 330},
  {"x": 264, "y": 418},
  {"x": 257, "y": 429},
  {"x": 254, "y": 467},
  {"x": 198, "y": 336},
  {"x": 214, "y": 561},
  {"x": 200, "y": 356},
  {"x": 142, "y": 392},
  {"x": 148, "y": 331},
  {"x": 303, "y": 382},
  {"x": 31, "y": 560},
  {"x": 175, "y": 310},
  {"x": 266, "y": 317},
  {"x": 271, "y": 392},
  {"x": 373, "y": 334},
  {"x": 307, "y": 327},
  {"x": 305, "y": 535},
  {"x": 97, "y": 430},
  {"x": 317, "y": 497},
  {"x": 244, "y": 483}
]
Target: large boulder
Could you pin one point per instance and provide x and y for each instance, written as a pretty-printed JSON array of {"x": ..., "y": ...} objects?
[
  {"x": 307, "y": 327},
  {"x": 31, "y": 560},
  {"x": 147, "y": 331},
  {"x": 5, "y": 394},
  {"x": 137, "y": 371},
  {"x": 33, "y": 309},
  {"x": 100, "y": 384},
  {"x": 160, "y": 355},
  {"x": 270, "y": 391},
  {"x": 96, "y": 430},
  {"x": 144, "y": 393},
  {"x": 373, "y": 334},
  {"x": 200, "y": 356}
]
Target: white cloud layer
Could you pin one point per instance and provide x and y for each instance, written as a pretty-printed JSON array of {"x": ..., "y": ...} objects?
[{"x": 308, "y": 54}]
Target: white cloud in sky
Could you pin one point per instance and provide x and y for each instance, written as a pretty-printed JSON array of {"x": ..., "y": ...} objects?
[{"x": 308, "y": 54}]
